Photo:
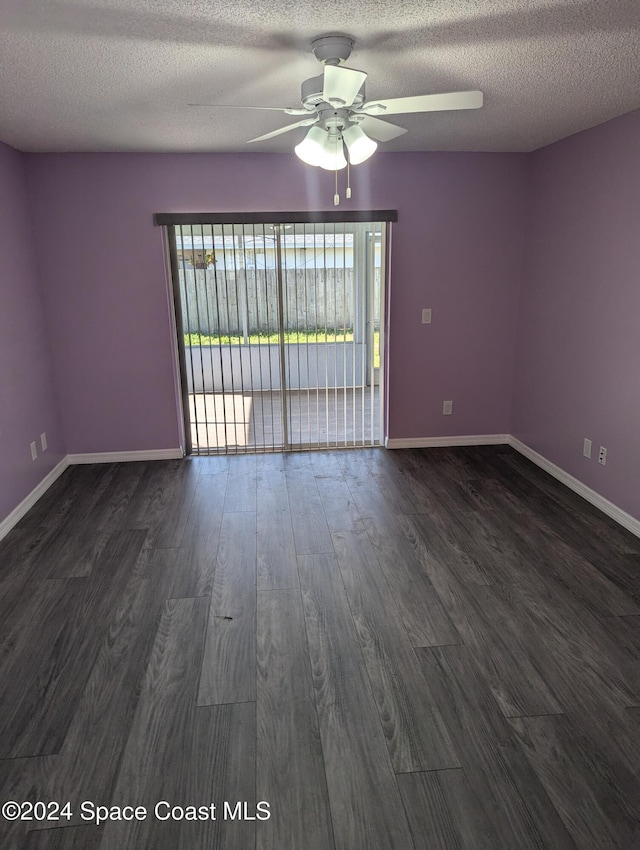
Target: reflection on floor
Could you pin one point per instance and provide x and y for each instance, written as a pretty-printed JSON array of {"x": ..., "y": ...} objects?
[{"x": 315, "y": 418}]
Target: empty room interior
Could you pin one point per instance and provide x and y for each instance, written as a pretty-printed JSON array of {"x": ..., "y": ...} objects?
[{"x": 320, "y": 425}]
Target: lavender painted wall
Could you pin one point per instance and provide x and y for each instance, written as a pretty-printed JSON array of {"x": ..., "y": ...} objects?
[
  {"x": 28, "y": 404},
  {"x": 578, "y": 363},
  {"x": 456, "y": 248}
]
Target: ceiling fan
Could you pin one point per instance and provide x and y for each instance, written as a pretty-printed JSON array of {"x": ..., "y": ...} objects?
[{"x": 336, "y": 110}]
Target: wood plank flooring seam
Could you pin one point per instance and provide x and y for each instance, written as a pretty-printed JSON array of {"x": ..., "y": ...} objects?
[
  {"x": 308, "y": 655},
  {"x": 62, "y": 660},
  {"x": 335, "y": 676},
  {"x": 228, "y": 671},
  {"x": 191, "y": 596},
  {"x": 514, "y": 799},
  {"x": 541, "y": 714},
  {"x": 425, "y": 619},
  {"x": 603, "y": 817},
  {"x": 276, "y": 566},
  {"x": 412, "y": 731},
  {"x": 428, "y": 770},
  {"x": 305, "y": 525},
  {"x": 296, "y": 712}
]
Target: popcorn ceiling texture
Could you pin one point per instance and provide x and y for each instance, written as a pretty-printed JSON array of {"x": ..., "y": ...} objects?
[{"x": 116, "y": 75}]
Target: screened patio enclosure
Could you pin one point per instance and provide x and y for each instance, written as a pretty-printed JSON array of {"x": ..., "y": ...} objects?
[{"x": 280, "y": 333}]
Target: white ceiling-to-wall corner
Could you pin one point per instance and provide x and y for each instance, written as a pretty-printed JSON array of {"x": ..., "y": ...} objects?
[{"x": 96, "y": 75}]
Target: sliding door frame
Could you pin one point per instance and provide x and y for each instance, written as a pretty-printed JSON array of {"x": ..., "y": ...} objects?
[
  {"x": 178, "y": 334},
  {"x": 169, "y": 220}
]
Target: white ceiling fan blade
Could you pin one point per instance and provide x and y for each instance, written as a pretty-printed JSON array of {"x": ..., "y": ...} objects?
[
  {"x": 424, "y": 103},
  {"x": 288, "y": 110},
  {"x": 382, "y": 131},
  {"x": 306, "y": 123},
  {"x": 341, "y": 85}
]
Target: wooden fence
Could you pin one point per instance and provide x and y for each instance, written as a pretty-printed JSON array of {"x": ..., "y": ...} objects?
[{"x": 245, "y": 301}]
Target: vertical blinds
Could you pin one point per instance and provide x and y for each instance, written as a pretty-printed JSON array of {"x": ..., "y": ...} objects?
[{"x": 279, "y": 333}]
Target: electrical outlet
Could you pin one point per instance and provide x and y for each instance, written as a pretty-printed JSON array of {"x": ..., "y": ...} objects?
[
  {"x": 43, "y": 441},
  {"x": 586, "y": 449},
  {"x": 426, "y": 316},
  {"x": 447, "y": 408},
  {"x": 34, "y": 450},
  {"x": 602, "y": 457}
]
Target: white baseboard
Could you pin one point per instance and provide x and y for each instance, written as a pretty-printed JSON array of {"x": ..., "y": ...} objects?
[
  {"x": 29, "y": 501},
  {"x": 621, "y": 517},
  {"x": 124, "y": 457},
  {"x": 100, "y": 457},
  {"x": 431, "y": 442}
]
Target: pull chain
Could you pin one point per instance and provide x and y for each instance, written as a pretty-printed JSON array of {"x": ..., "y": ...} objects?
[
  {"x": 336, "y": 197},
  {"x": 348, "y": 192}
]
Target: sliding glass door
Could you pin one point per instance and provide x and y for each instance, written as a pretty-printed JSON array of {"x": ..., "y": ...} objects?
[{"x": 280, "y": 333}]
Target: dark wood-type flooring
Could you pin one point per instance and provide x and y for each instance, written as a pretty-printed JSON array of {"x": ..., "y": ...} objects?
[{"x": 408, "y": 650}]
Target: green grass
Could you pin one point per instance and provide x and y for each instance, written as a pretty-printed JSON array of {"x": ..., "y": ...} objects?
[
  {"x": 265, "y": 338},
  {"x": 290, "y": 337}
]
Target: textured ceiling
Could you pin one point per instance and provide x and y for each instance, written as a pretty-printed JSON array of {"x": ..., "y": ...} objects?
[{"x": 98, "y": 75}]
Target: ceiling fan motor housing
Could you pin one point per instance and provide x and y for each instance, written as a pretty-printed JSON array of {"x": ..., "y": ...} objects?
[{"x": 311, "y": 93}]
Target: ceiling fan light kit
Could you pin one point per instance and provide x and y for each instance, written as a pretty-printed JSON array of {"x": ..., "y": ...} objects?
[
  {"x": 359, "y": 145},
  {"x": 311, "y": 148},
  {"x": 333, "y": 158}
]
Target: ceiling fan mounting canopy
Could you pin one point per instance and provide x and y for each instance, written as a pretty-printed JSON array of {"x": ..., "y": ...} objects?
[{"x": 332, "y": 49}]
